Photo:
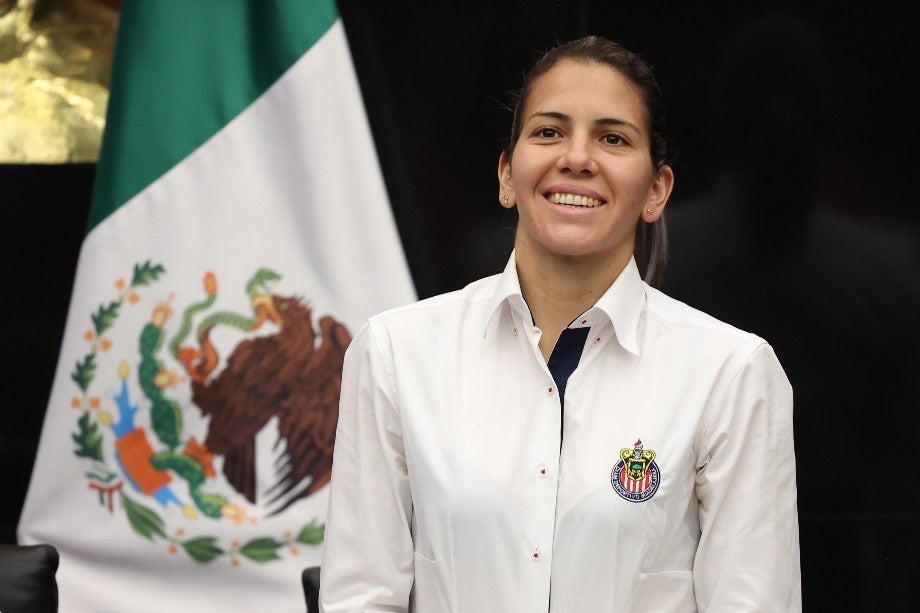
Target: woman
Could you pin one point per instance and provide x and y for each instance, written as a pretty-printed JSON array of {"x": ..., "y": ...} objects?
[{"x": 562, "y": 436}]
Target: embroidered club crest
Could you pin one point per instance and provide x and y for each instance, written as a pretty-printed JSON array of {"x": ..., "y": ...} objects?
[{"x": 636, "y": 476}]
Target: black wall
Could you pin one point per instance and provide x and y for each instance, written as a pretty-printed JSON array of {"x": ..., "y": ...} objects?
[{"x": 793, "y": 217}]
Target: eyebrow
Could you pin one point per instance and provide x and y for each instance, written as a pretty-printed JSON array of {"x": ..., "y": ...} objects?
[{"x": 604, "y": 121}]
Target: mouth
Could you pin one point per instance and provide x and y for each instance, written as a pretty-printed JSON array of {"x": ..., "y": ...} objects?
[{"x": 573, "y": 200}]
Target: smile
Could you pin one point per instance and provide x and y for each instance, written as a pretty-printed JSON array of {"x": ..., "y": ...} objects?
[{"x": 573, "y": 200}]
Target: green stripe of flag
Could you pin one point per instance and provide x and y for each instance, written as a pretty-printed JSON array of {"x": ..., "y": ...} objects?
[{"x": 169, "y": 94}]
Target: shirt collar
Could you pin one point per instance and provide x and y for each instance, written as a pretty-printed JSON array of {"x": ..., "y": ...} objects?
[
  {"x": 621, "y": 304},
  {"x": 508, "y": 290}
]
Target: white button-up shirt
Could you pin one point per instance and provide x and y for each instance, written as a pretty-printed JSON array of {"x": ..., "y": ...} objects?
[{"x": 673, "y": 489}]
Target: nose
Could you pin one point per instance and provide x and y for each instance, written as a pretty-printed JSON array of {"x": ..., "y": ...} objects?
[{"x": 577, "y": 157}]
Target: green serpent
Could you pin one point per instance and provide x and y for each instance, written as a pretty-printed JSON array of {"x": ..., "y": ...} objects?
[{"x": 256, "y": 286}]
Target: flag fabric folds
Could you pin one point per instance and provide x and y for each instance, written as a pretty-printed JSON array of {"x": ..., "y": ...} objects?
[{"x": 239, "y": 234}]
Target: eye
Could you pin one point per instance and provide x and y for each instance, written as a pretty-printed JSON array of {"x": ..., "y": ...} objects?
[
  {"x": 546, "y": 133},
  {"x": 614, "y": 139}
]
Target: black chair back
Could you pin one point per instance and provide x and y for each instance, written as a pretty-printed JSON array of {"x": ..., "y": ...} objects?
[
  {"x": 310, "y": 578},
  {"x": 28, "y": 582}
]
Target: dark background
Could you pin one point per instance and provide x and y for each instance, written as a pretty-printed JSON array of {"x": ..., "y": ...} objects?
[{"x": 793, "y": 217}]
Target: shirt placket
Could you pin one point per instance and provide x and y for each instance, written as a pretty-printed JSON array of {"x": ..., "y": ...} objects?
[{"x": 544, "y": 467}]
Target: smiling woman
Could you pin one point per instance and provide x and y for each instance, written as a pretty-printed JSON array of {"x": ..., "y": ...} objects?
[
  {"x": 562, "y": 436},
  {"x": 582, "y": 177}
]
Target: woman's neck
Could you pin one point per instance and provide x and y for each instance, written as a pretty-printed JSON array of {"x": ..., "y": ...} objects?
[{"x": 560, "y": 288}]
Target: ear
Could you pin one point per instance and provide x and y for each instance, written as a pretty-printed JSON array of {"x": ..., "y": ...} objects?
[
  {"x": 658, "y": 195},
  {"x": 505, "y": 183}
]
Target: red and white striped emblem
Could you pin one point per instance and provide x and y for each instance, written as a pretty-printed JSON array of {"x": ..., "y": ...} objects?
[
  {"x": 632, "y": 485},
  {"x": 636, "y": 477}
]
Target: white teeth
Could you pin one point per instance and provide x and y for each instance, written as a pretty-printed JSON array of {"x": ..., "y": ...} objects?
[{"x": 574, "y": 200}]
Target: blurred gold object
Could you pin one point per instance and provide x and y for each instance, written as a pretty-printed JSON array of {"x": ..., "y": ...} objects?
[{"x": 55, "y": 63}]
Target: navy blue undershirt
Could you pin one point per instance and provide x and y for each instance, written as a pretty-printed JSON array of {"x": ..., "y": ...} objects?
[{"x": 565, "y": 357}]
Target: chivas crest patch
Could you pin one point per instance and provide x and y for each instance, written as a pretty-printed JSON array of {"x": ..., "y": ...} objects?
[
  {"x": 141, "y": 388},
  {"x": 636, "y": 476}
]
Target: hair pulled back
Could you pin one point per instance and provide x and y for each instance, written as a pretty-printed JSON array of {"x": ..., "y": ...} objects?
[{"x": 651, "y": 245}]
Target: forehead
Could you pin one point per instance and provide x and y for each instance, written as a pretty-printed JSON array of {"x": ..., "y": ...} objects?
[{"x": 588, "y": 89}]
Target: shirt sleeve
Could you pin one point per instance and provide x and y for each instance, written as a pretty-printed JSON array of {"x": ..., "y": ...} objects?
[
  {"x": 748, "y": 554},
  {"x": 367, "y": 562}
]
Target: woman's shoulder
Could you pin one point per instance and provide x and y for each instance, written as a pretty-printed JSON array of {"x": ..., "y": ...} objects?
[
  {"x": 679, "y": 314},
  {"x": 686, "y": 329},
  {"x": 440, "y": 307}
]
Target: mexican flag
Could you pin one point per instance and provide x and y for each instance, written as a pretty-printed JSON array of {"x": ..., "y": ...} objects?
[{"x": 239, "y": 234}]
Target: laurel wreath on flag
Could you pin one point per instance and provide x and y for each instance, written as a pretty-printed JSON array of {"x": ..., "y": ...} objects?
[{"x": 154, "y": 469}]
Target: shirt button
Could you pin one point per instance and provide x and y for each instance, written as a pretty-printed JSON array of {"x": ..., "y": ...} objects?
[
  {"x": 584, "y": 321},
  {"x": 541, "y": 470},
  {"x": 549, "y": 391},
  {"x": 536, "y": 555},
  {"x": 597, "y": 340}
]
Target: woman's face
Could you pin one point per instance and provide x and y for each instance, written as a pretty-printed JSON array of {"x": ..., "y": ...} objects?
[{"x": 581, "y": 175}]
